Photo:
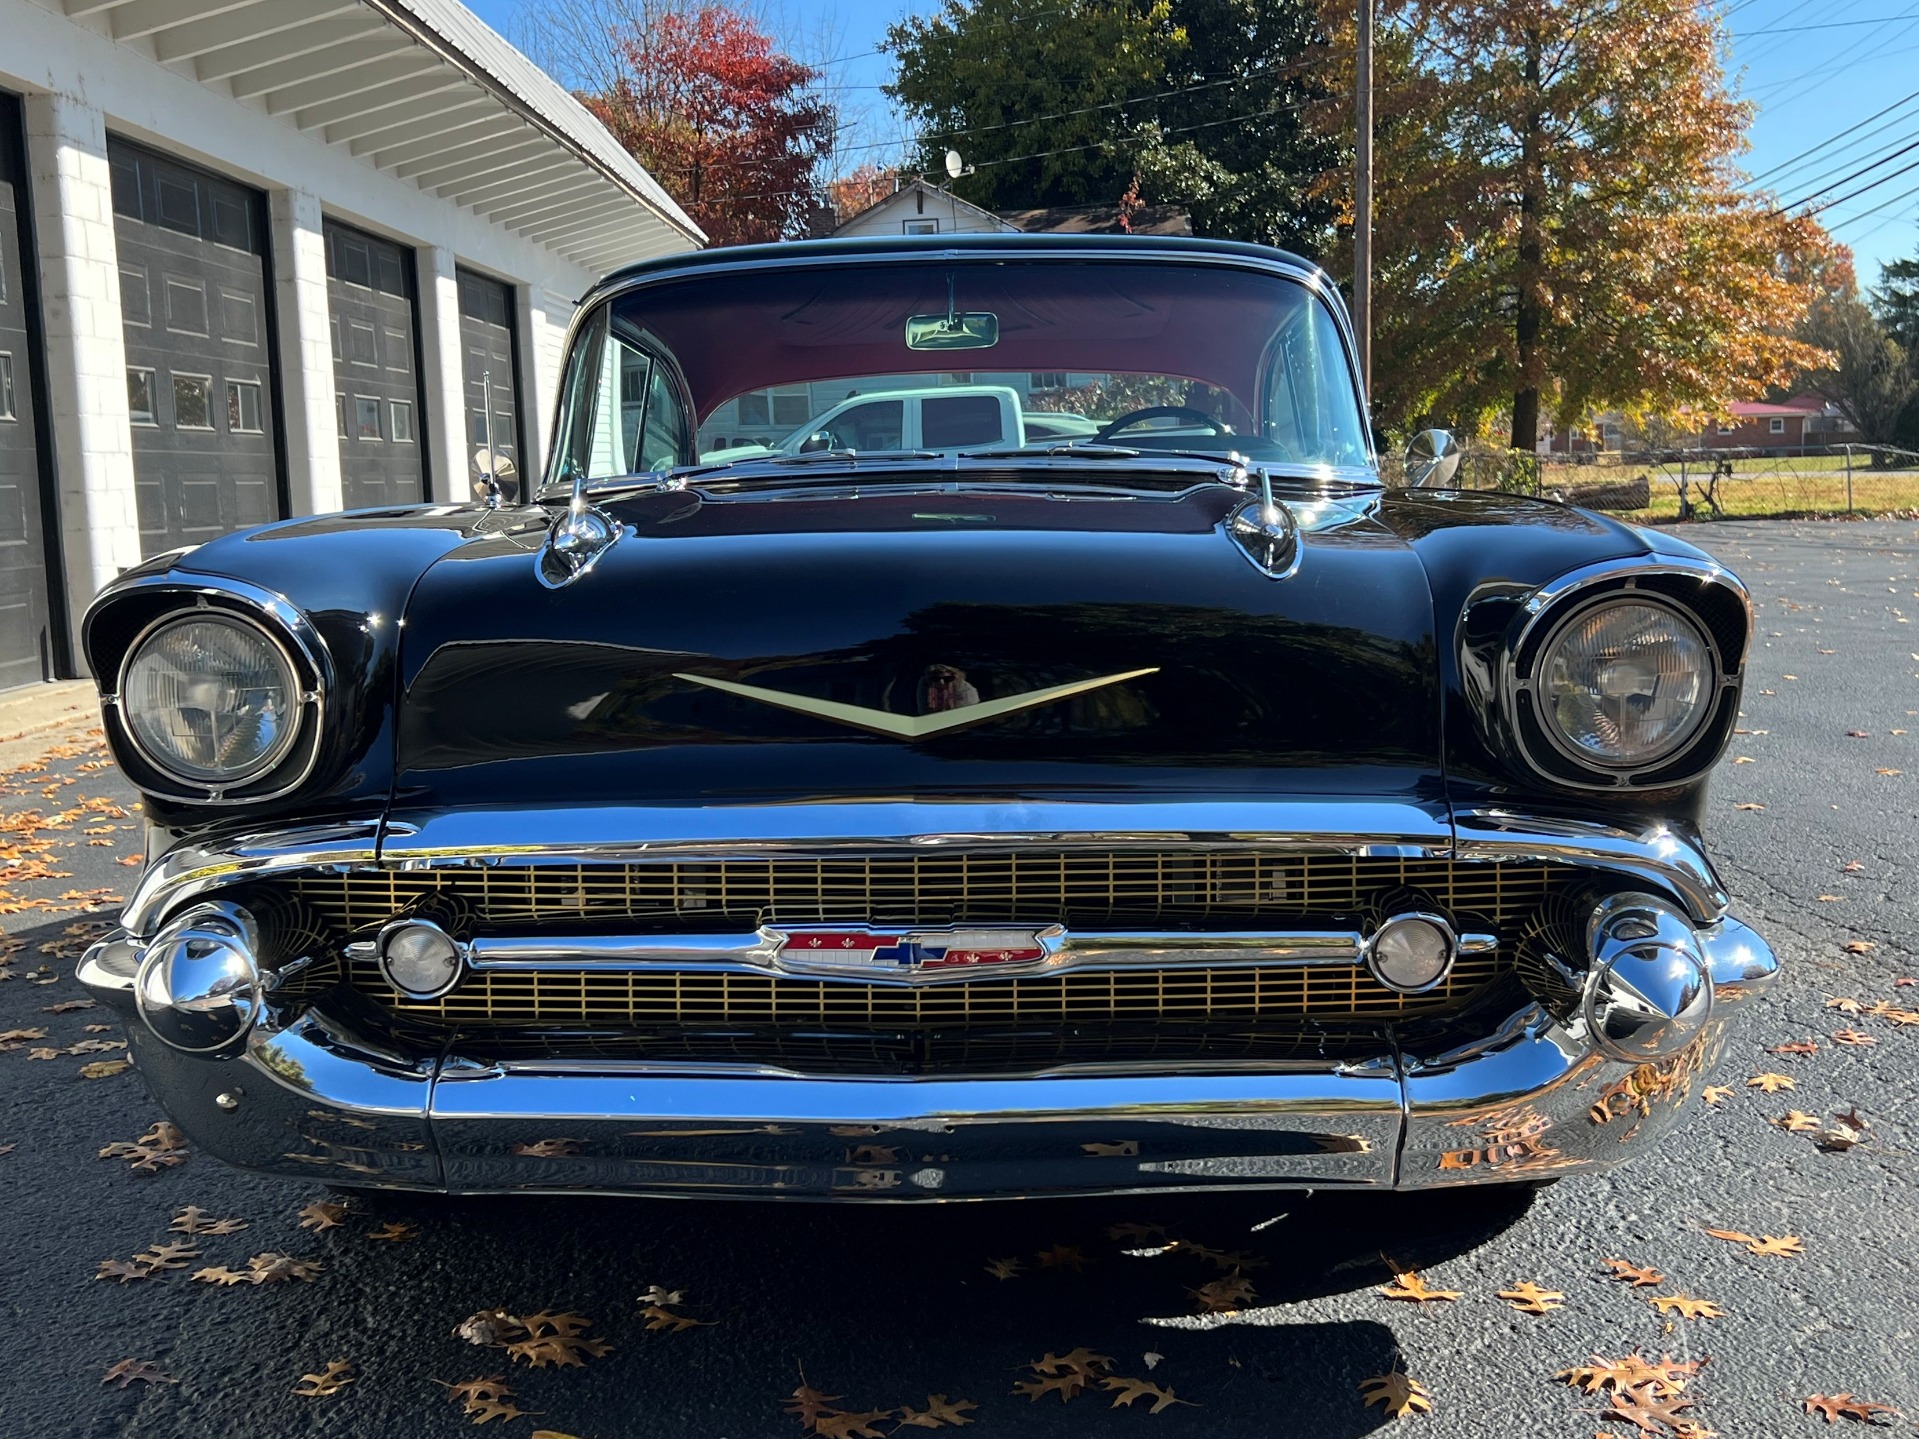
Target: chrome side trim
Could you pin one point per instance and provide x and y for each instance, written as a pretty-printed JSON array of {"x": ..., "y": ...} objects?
[
  {"x": 193, "y": 869},
  {"x": 1705, "y": 570},
  {"x": 1660, "y": 855}
]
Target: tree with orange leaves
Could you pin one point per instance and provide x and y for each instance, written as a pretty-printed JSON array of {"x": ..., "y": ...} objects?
[
  {"x": 732, "y": 128},
  {"x": 1560, "y": 223}
]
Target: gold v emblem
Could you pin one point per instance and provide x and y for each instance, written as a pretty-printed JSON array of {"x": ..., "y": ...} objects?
[{"x": 912, "y": 726}]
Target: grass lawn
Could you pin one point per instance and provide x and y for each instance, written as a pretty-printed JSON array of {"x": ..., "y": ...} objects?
[{"x": 1763, "y": 487}]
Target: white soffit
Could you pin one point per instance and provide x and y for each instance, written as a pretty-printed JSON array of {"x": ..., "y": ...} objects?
[{"x": 424, "y": 91}]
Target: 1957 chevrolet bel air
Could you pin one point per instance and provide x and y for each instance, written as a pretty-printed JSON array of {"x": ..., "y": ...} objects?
[{"x": 1169, "y": 806}]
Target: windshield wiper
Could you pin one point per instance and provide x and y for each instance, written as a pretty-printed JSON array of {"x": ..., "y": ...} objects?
[
  {"x": 1068, "y": 447},
  {"x": 813, "y": 457}
]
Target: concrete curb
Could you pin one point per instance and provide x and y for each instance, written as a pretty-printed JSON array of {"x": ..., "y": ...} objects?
[{"x": 35, "y": 717}]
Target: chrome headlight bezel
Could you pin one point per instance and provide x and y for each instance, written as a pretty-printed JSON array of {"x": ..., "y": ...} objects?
[
  {"x": 1699, "y": 593},
  {"x": 294, "y": 642}
]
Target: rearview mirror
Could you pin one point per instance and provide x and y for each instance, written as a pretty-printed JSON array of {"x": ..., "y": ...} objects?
[
  {"x": 1432, "y": 459},
  {"x": 973, "y": 330}
]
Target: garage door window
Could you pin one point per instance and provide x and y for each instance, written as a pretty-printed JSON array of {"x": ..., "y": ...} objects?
[
  {"x": 192, "y": 402},
  {"x": 140, "y": 397},
  {"x": 7, "y": 411},
  {"x": 366, "y": 416},
  {"x": 339, "y": 412},
  {"x": 400, "y": 417},
  {"x": 243, "y": 408}
]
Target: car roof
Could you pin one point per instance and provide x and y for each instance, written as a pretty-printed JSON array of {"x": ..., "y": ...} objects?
[{"x": 853, "y": 250}]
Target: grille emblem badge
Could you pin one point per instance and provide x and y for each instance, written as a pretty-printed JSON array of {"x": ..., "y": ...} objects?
[{"x": 912, "y": 954}]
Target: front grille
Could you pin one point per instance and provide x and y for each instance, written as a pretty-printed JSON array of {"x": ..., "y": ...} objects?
[
  {"x": 1206, "y": 888},
  {"x": 1190, "y": 1008}
]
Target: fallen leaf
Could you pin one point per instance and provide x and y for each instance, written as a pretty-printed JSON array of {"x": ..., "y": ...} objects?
[
  {"x": 1742, "y": 759},
  {"x": 276, "y": 1268},
  {"x": 1125, "y": 1391},
  {"x": 809, "y": 1404},
  {"x": 1398, "y": 1394},
  {"x": 1632, "y": 1372},
  {"x": 105, "y": 1068},
  {"x": 397, "y": 1231},
  {"x": 1797, "y": 1046},
  {"x": 1749, "y": 805},
  {"x": 1685, "y": 1307},
  {"x": 1224, "y": 1296},
  {"x": 1857, "y": 734},
  {"x": 1732, "y": 1236},
  {"x": 1770, "y": 1083},
  {"x": 1082, "y": 1361},
  {"x": 1832, "y": 899},
  {"x": 1067, "y": 1386},
  {"x": 1834, "y": 1407},
  {"x": 1637, "y": 1276},
  {"x": 1062, "y": 1256},
  {"x": 321, "y": 1214},
  {"x": 1003, "y": 1268},
  {"x": 659, "y": 1318},
  {"x": 1860, "y": 946},
  {"x": 1408, "y": 1286},
  {"x": 1785, "y": 1246},
  {"x": 1857, "y": 1038},
  {"x": 1528, "y": 1298},
  {"x": 220, "y": 1274},
  {"x": 1799, "y": 1122},
  {"x": 336, "y": 1376},
  {"x": 939, "y": 1411},
  {"x": 1889, "y": 773},
  {"x": 195, "y": 1220},
  {"x": 67, "y": 1006},
  {"x": 482, "y": 1410},
  {"x": 1852, "y": 866},
  {"x": 852, "y": 1426},
  {"x": 1844, "y": 1003},
  {"x": 135, "y": 1371},
  {"x": 1716, "y": 1094},
  {"x": 1654, "y": 1411}
]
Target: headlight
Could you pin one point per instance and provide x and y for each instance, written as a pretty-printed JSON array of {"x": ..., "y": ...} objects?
[
  {"x": 1625, "y": 683},
  {"x": 210, "y": 699}
]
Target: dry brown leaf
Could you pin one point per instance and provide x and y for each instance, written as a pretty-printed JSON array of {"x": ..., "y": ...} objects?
[
  {"x": 195, "y": 1220},
  {"x": 161, "y": 1147},
  {"x": 1832, "y": 899},
  {"x": 1528, "y": 1298},
  {"x": 273, "y": 1267},
  {"x": 336, "y": 1376},
  {"x": 1125, "y": 1391},
  {"x": 322, "y": 1214},
  {"x": 396, "y": 1231},
  {"x": 1749, "y": 805},
  {"x": 1716, "y": 1094},
  {"x": 1779, "y": 1246},
  {"x": 1844, "y": 1003},
  {"x": 1398, "y": 1394},
  {"x": 809, "y": 1404},
  {"x": 1224, "y": 1296},
  {"x": 1889, "y": 772},
  {"x": 1067, "y": 1386},
  {"x": 1859, "y": 946},
  {"x": 1732, "y": 1236},
  {"x": 1637, "y": 1276},
  {"x": 135, "y": 1371},
  {"x": 105, "y": 1068},
  {"x": 1062, "y": 1256},
  {"x": 1408, "y": 1286},
  {"x": 658, "y": 1318},
  {"x": 1081, "y": 1361},
  {"x": 852, "y": 1426},
  {"x": 1686, "y": 1307},
  {"x": 1668, "y": 1376},
  {"x": 220, "y": 1274},
  {"x": 67, "y": 1006},
  {"x": 1799, "y": 1122},
  {"x": 1003, "y": 1268},
  {"x": 1857, "y": 1038},
  {"x": 480, "y": 1411},
  {"x": 939, "y": 1411},
  {"x": 1798, "y": 1046},
  {"x": 1770, "y": 1083},
  {"x": 1834, "y": 1407},
  {"x": 1653, "y": 1410}
]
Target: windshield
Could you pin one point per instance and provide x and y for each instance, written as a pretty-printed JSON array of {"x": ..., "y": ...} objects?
[{"x": 951, "y": 356}]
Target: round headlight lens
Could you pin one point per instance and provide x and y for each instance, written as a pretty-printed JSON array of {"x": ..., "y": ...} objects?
[
  {"x": 1625, "y": 683},
  {"x": 211, "y": 700}
]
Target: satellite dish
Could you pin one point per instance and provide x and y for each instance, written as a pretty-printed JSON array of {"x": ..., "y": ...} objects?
[{"x": 955, "y": 167}]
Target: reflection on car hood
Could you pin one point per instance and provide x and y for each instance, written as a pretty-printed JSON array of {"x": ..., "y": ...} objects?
[{"x": 796, "y": 644}]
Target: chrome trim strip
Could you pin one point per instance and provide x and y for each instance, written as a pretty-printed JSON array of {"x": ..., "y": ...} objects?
[
  {"x": 1376, "y": 828},
  {"x": 192, "y": 869},
  {"x": 1660, "y": 855}
]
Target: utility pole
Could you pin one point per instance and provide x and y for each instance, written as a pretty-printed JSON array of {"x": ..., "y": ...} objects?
[{"x": 1363, "y": 195}]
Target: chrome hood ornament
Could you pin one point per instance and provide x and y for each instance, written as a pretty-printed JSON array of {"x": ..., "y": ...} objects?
[
  {"x": 960, "y": 712},
  {"x": 1267, "y": 531}
]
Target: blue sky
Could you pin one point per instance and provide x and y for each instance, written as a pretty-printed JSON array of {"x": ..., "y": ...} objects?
[{"x": 1816, "y": 68}]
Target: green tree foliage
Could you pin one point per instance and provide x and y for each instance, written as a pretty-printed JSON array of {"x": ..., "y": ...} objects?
[
  {"x": 1560, "y": 225},
  {"x": 1896, "y": 301},
  {"x": 1206, "y": 103},
  {"x": 1868, "y": 375}
]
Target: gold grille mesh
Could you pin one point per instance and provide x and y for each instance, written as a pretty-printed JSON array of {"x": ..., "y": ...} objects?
[
  {"x": 1197, "y": 888},
  {"x": 1071, "y": 887}
]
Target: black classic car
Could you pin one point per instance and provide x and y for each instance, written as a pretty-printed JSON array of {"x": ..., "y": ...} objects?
[{"x": 1155, "y": 800}]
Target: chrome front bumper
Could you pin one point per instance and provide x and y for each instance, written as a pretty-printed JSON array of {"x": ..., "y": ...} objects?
[
  {"x": 1530, "y": 1101},
  {"x": 308, "y": 1095}
]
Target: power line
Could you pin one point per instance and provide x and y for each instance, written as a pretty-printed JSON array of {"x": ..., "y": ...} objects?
[
  {"x": 1787, "y": 165},
  {"x": 1848, "y": 179},
  {"x": 1831, "y": 25}
]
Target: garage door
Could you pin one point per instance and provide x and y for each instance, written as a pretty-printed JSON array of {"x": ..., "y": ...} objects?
[
  {"x": 370, "y": 294},
  {"x": 195, "y": 290},
  {"x": 23, "y": 564},
  {"x": 492, "y": 358}
]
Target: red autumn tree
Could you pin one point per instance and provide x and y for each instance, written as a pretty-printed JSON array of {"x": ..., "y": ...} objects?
[
  {"x": 861, "y": 190},
  {"x": 731, "y": 127}
]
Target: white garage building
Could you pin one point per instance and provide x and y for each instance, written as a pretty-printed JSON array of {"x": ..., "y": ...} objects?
[{"x": 263, "y": 258}]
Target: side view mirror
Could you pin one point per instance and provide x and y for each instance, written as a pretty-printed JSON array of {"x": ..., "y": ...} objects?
[
  {"x": 815, "y": 442},
  {"x": 1432, "y": 459}
]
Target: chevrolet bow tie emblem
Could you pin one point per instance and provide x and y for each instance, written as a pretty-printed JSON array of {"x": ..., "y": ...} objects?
[{"x": 912, "y": 726}]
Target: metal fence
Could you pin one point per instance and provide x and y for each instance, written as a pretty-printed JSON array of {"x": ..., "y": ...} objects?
[{"x": 1708, "y": 484}]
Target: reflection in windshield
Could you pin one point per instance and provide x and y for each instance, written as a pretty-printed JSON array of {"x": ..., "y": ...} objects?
[{"x": 818, "y": 360}]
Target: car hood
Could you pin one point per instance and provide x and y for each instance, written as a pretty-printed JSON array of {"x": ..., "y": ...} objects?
[{"x": 813, "y": 645}]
